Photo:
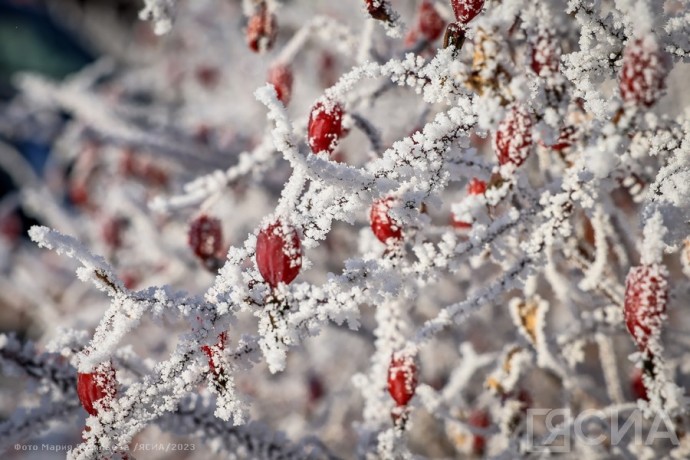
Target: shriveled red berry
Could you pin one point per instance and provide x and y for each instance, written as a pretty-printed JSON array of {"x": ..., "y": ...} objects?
[
  {"x": 513, "y": 137},
  {"x": 429, "y": 22},
  {"x": 646, "y": 293},
  {"x": 402, "y": 378},
  {"x": 466, "y": 10},
  {"x": 637, "y": 387},
  {"x": 281, "y": 77},
  {"x": 278, "y": 253},
  {"x": 479, "y": 418},
  {"x": 545, "y": 55},
  {"x": 212, "y": 352},
  {"x": 325, "y": 126},
  {"x": 455, "y": 36},
  {"x": 206, "y": 237},
  {"x": 643, "y": 73},
  {"x": 379, "y": 10},
  {"x": 96, "y": 386},
  {"x": 262, "y": 29},
  {"x": 383, "y": 225}
]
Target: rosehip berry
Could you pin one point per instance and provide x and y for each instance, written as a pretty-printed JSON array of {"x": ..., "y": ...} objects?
[
  {"x": 566, "y": 138},
  {"x": 402, "y": 378},
  {"x": 325, "y": 126},
  {"x": 280, "y": 76},
  {"x": 513, "y": 138},
  {"x": 545, "y": 55},
  {"x": 646, "y": 293},
  {"x": 479, "y": 419},
  {"x": 212, "y": 351},
  {"x": 466, "y": 10},
  {"x": 96, "y": 386},
  {"x": 378, "y": 9},
  {"x": 112, "y": 230},
  {"x": 643, "y": 72},
  {"x": 262, "y": 29},
  {"x": 637, "y": 387},
  {"x": 207, "y": 76},
  {"x": 455, "y": 36},
  {"x": 411, "y": 37},
  {"x": 430, "y": 23},
  {"x": 278, "y": 253},
  {"x": 206, "y": 238},
  {"x": 475, "y": 187},
  {"x": 384, "y": 226}
]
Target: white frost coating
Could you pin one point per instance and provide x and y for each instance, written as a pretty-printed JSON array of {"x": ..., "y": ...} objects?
[{"x": 161, "y": 13}]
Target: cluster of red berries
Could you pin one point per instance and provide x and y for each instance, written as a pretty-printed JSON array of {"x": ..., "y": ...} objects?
[
  {"x": 278, "y": 253},
  {"x": 205, "y": 237},
  {"x": 98, "y": 386},
  {"x": 643, "y": 73},
  {"x": 262, "y": 29},
  {"x": 646, "y": 294}
]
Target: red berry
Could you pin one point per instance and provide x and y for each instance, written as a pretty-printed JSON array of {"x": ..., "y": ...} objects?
[
  {"x": 278, "y": 253},
  {"x": 513, "y": 138},
  {"x": 545, "y": 55},
  {"x": 476, "y": 187},
  {"x": 95, "y": 386},
  {"x": 566, "y": 138},
  {"x": 207, "y": 76},
  {"x": 430, "y": 23},
  {"x": 411, "y": 37},
  {"x": 206, "y": 237},
  {"x": 10, "y": 226},
  {"x": 378, "y": 9},
  {"x": 479, "y": 419},
  {"x": 466, "y": 10},
  {"x": 213, "y": 350},
  {"x": 384, "y": 226},
  {"x": 262, "y": 30},
  {"x": 325, "y": 126},
  {"x": 280, "y": 76},
  {"x": 637, "y": 387},
  {"x": 646, "y": 293},
  {"x": 112, "y": 230},
  {"x": 317, "y": 389},
  {"x": 459, "y": 224},
  {"x": 402, "y": 378},
  {"x": 643, "y": 72},
  {"x": 78, "y": 193},
  {"x": 455, "y": 36}
]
